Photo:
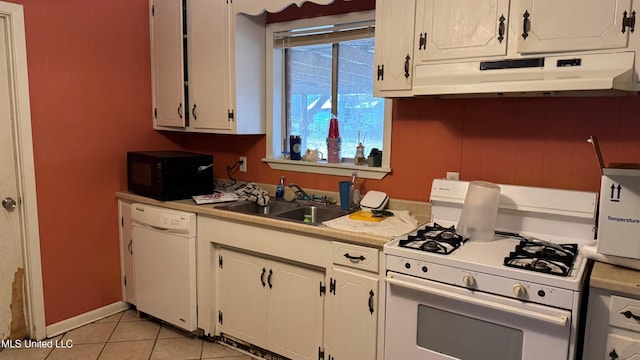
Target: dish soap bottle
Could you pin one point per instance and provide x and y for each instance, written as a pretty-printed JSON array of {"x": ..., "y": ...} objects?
[
  {"x": 355, "y": 191},
  {"x": 280, "y": 189}
]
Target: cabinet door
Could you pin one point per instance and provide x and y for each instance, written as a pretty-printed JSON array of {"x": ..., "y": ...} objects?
[
  {"x": 352, "y": 316},
  {"x": 393, "y": 68},
  {"x": 126, "y": 253},
  {"x": 295, "y": 311},
  {"x": 622, "y": 347},
  {"x": 247, "y": 73},
  {"x": 550, "y": 25},
  {"x": 452, "y": 29},
  {"x": 167, "y": 63},
  {"x": 208, "y": 50},
  {"x": 243, "y": 296}
]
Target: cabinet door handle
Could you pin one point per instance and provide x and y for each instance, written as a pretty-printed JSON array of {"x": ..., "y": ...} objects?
[
  {"x": 193, "y": 112},
  {"x": 501, "y": 28},
  {"x": 423, "y": 41},
  {"x": 371, "y": 301},
  {"x": 354, "y": 258},
  {"x": 628, "y": 22},
  {"x": 130, "y": 246},
  {"x": 269, "y": 279},
  {"x": 526, "y": 25},
  {"x": 180, "y": 110},
  {"x": 406, "y": 66},
  {"x": 629, "y": 315},
  {"x": 264, "y": 271},
  {"x": 380, "y": 72}
]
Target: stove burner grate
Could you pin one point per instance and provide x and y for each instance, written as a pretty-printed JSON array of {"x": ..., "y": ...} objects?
[
  {"x": 436, "y": 239},
  {"x": 543, "y": 256}
]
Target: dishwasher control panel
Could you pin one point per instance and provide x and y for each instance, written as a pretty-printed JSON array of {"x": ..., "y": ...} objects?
[{"x": 163, "y": 219}]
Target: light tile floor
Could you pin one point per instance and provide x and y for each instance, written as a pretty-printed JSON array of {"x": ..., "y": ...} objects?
[{"x": 123, "y": 336}]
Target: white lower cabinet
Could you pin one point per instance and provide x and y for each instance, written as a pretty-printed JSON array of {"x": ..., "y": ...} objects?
[
  {"x": 352, "y": 308},
  {"x": 272, "y": 304},
  {"x": 298, "y": 295},
  {"x": 612, "y": 330},
  {"x": 126, "y": 252},
  {"x": 354, "y": 300}
]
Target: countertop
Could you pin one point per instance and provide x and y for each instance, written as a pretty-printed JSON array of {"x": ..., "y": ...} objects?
[
  {"x": 615, "y": 278},
  {"x": 420, "y": 210}
]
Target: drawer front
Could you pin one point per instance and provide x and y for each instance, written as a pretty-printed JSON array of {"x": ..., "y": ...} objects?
[
  {"x": 622, "y": 347},
  {"x": 625, "y": 313},
  {"x": 355, "y": 256}
]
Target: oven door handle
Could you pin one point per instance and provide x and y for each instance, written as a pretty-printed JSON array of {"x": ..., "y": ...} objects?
[{"x": 557, "y": 320}]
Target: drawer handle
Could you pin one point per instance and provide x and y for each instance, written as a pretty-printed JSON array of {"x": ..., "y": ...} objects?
[
  {"x": 354, "y": 258},
  {"x": 629, "y": 315}
]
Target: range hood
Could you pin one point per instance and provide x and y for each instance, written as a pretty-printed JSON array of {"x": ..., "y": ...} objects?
[{"x": 529, "y": 75}]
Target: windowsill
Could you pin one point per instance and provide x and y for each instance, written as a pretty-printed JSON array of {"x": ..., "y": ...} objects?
[{"x": 342, "y": 169}]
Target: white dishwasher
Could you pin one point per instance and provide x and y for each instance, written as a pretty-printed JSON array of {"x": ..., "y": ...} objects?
[{"x": 164, "y": 259}]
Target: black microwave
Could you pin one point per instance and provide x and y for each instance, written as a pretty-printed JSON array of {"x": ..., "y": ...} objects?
[{"x": 169, "y": 175}]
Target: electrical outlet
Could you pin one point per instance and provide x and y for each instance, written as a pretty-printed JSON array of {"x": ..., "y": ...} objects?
[
  {"x": 243, "y": 166},
  {"x": 453, "y": 175}
]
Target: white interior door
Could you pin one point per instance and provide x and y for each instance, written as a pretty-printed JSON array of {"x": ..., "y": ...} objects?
[
  {"x": 22, "y": 310},
  {"x": 10, "y": 253}
]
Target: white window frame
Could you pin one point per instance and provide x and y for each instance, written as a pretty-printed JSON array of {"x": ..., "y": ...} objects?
[{"x": 275, "y": 106}]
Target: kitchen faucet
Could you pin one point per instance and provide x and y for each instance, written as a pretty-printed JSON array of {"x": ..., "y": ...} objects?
[{"x": 300, "y": 194}]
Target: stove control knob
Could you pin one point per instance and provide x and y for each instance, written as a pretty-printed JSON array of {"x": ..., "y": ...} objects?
[
  {"x": 468, "y": 280},
  {"x": 519, "y": 290}
]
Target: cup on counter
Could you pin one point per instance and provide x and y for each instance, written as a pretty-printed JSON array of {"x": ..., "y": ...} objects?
[
  {"x": 313, "y": 155},
  {"x": 345, "y": 195}
]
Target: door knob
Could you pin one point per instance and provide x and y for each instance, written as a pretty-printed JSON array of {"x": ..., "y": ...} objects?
[{"x": 8, "y": 203}]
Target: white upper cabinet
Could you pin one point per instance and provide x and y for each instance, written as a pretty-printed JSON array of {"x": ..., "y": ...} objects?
[
  {"x": 208, "y": 41},
  {"x": 393, "y": 65},
  {"x": 167, "y": 63},
  {"x": 221, "y": 88},
  {"x": 567, "y": 25},
  {"x": 454, "y": 29}
]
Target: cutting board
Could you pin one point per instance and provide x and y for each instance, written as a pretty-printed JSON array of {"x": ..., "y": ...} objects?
[{"x": 366, "y": 216}]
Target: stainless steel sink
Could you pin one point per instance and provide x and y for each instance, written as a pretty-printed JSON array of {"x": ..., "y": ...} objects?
[
  {"x": 312, "y": 214},
  {"x": 248, "y": 207},
  {"x": 290, "y": 211}
]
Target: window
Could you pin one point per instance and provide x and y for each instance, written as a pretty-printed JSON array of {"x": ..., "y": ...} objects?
[{"x": 323, "y": 67}]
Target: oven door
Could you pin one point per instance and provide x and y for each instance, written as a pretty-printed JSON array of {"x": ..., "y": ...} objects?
[{"x": 429, "y": 320}]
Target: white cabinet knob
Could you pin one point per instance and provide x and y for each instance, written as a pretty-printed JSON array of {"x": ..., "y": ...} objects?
[
  {"x": 468, "y": 280},
  {"x": 519, "y": 290}
]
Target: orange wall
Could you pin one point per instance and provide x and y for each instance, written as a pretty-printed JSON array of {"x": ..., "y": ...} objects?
[
  {"x": 89, "y": 79},
  {"x": 525, "y": 141}
]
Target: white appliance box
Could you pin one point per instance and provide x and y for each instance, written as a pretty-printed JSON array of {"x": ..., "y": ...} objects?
[{"x": 619, "y": 219}]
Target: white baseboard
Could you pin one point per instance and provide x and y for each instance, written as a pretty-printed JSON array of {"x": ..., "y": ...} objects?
[{"x": 86, "y": 318}]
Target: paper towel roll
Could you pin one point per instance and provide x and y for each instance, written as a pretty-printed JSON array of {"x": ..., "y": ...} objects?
[
  {"x": 479, "y": 211},
  {"x": 591, "y": 252}
]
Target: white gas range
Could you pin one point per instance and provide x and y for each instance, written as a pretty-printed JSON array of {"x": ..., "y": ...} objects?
[{"x": 451, "y": 298}]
